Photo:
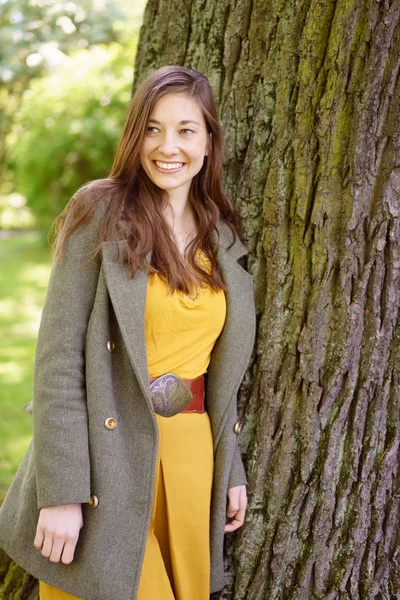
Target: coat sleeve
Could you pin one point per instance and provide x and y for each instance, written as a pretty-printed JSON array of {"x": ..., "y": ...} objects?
[
  {"x": 60, "y": 430},
  {"x": 238, "y": 474}
]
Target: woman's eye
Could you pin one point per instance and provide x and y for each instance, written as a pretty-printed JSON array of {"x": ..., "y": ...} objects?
[{"x": 151, "y": 129}]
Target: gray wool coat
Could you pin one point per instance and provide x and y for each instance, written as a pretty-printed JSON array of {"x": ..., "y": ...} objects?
[{"x": 90, "y": 366}]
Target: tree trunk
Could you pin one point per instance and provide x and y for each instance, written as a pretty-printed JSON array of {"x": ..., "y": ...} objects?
[
  {"x": 15, "y": 583},
  {"x": 309, "y": 99}
]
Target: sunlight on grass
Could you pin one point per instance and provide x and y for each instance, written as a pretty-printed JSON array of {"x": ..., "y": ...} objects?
[
  {"x": 36, "y": 273},
  {"x": 11, "y": 372},
  {"x": 7, "y": 306},
  {"x": 24, "y": 276}
]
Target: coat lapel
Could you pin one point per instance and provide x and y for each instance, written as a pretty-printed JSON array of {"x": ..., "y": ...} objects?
[
  {"x": 128, "y": 297},
  {"x": 232, "y": 350},
  {"x": 231, "y": 353}
]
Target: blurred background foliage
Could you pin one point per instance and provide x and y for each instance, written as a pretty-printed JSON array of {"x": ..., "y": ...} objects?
[
  {"x": 68, "y": 126},
  {"x": 66, "y": 72}
]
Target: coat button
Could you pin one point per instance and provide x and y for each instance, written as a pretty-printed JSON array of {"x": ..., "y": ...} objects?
[
  {"x": 237, "y": 427},
  {"x": 110, "y": 346},
  {"x": 110, "y": 423},
  {"x": 93, "y": 502}
]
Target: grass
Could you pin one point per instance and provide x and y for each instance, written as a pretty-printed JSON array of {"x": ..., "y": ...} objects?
[{"x": 24, "y": 274}]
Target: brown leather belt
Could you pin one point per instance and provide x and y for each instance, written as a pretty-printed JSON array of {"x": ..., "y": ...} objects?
[{"x": 196, "y": 386}]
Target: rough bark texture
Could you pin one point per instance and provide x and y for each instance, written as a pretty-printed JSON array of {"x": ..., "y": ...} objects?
[
  {"x": 15, "y": 583},
  {"x": 309, "y": 97}
]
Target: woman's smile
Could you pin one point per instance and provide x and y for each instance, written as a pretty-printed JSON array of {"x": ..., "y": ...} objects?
[
  {"x": 168, "y": 167},
  {"x": 176, "y": 130}
]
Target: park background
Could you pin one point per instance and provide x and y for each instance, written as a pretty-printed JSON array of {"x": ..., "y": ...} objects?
[{"x": 66, "y": 72}]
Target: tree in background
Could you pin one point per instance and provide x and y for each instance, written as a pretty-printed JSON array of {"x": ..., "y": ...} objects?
[
  {"x": 37, "y": 36},
  {"x": 65, "y": 77},
  {"x": 68, "y": 127},
  {"x": 68, "y": 118},
  {"x": 309, "y": 97}
]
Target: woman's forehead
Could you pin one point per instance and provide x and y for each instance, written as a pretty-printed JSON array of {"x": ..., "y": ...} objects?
[{"x": 177, "y": 107}]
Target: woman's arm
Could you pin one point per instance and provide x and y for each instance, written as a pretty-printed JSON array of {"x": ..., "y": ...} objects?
[
  {"x": 237, "y": 493},
  {"x": 238, "y": 474},
  {"x": 60, "y": 433}
]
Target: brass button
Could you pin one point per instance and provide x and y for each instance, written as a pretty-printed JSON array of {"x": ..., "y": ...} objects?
[
  {"x": 110, "y": 423},
  {"x": 110, "y": 346},
  {"x": 237, "y": 427},
  {"x": 93, "y": 502}
]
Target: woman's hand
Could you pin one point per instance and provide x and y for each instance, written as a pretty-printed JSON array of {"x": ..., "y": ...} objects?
[
  {"x": 237, "y": 503},
  {"x": 57, "y": 532}
]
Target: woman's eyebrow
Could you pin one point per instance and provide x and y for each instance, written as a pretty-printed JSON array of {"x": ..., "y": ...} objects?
[{"x": 180, "y": 122}]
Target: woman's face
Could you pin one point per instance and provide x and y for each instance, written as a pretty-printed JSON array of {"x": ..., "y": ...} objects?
[{"x": 175, "y": 143}]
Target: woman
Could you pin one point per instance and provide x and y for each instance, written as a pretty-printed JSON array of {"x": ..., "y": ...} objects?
[{"x": 131, "y": 480}]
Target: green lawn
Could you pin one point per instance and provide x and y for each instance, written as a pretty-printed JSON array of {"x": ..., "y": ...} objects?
[{"x": 24, "y": 274}]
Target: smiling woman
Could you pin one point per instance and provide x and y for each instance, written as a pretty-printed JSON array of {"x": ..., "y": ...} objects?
[
  {"x": 134, "y": 473},
  {"x": 170, "y": 147},
  {"x": 172, "y": 155}
]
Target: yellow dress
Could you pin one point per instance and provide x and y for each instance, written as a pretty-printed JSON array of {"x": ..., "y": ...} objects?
[
  {"x": 181, "y": 329},
  {"x": 180, "y": 333}
]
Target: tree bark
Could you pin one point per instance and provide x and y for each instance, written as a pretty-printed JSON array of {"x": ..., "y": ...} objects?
[
  {"x": 15, "y": 583},
  {"x": 309, "y": 99}
]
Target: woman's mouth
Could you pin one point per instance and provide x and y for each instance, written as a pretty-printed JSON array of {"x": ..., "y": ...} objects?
[{"x": 171, "y": 167}]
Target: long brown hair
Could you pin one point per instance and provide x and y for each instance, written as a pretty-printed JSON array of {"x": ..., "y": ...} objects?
[{"x": 135, "y": 200}]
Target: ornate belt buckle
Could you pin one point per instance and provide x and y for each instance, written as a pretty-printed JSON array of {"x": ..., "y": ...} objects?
[{"x": 169, "y": 394}]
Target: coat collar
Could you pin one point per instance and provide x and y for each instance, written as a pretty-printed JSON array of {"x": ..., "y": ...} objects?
[{"x": 231, "y": 353}]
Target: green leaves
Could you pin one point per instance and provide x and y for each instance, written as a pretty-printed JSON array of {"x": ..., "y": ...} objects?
[
  {"x": 68, "y": 127},
  {"x": 70, "y": 72}
]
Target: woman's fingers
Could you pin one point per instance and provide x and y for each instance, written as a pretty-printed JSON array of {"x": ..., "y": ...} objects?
[
  {"x": 39, "y": 538},
  {"x": 236, "y": 510},
  {"x": 234, "y": 524},
  {"x": 233, "y": 503},
  {"x": 57, "y": 547},
  {"x": 47, "y": 545},
  {"x": 69, "y": 550}
]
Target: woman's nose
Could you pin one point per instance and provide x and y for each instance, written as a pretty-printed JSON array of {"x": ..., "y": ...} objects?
[{"x": 168, "y": 145}]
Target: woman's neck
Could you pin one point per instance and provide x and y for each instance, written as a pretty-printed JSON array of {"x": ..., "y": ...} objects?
[{"x": 180, "y": 217}]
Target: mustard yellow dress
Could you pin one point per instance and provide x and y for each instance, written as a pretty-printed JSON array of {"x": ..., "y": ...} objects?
[{"x": 180, "y": 334}]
